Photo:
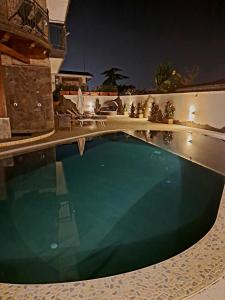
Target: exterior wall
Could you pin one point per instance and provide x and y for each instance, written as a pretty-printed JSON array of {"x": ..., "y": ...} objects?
[
  {"x": 203, "y": 87},
  {"x": 57, "y": 9},
  {"x": 203, "y": 108},
  {"x": 26, "y": 104},
  {"x": 57, "y": 13},
  {"x": 55, "y": 64},
  {"x": 70, "y": 81},
  {"x": 42, "y": 3},
  {"x": 3, "y": 112},
  {"x": 28, "y": 95},
  {"x": 5, "y": 130}
]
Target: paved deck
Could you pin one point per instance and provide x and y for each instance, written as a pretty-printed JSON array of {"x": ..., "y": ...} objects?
[
  {"x": 112, "y": 124},
  {"x": 197, "y": 273}
]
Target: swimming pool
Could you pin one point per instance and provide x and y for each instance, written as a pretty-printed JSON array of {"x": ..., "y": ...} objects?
[{"x": 122, "y": 206}]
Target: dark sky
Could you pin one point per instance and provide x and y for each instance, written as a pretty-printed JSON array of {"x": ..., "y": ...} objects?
[{"x": 137, "y": 35}]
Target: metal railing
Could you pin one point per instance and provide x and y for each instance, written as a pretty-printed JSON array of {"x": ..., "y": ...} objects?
[
  {"x": 28, "y": 15},
  {"x": 57, "y": 35}
]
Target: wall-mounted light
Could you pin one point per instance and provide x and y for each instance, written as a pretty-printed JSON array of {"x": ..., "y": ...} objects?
[
  {"x": 15, "y": 104},
  {"x": 39, "y": 104},
  {"x": 191, "y": 114},
  {"x": 91, "y": 106},
  {"x": 189, "y": 138}
]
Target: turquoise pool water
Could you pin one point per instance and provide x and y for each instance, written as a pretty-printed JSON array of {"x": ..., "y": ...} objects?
[{"x": 122, "y": 206}]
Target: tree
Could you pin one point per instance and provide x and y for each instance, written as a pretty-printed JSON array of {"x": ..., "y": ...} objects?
[
  {"x": 190, "y": 76},
  {"x": 167, "y": 79},
  {"x": 112, "y": 76},
  {"x": 125, "y": 89}
]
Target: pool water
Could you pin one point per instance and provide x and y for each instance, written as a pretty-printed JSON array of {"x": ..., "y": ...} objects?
[{"x": 121, "y": 206}]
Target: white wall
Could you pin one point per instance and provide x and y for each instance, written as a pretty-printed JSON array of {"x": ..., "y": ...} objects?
[
  {"x": 57, "y": 10},
  {"x": 55, "y": 64},
  {"x": 208, "y": 107}
]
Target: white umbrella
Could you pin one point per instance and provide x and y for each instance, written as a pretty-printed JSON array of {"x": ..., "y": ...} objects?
[{"x": 80, "y": 103}]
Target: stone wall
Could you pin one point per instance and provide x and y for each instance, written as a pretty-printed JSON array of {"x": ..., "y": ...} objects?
[
  {"x": 5, "y": 131},
  {"x": 28, "y": 98}
]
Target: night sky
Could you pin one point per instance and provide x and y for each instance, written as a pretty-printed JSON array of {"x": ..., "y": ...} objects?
[{"x": 137, "y": 35}]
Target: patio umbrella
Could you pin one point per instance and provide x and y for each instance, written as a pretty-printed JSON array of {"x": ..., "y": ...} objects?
[
  {"x": 81, "y": 145},
  {"x": 80, "y": 103}
]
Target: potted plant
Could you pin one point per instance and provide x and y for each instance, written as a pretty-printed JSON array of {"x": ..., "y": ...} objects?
[
  {"x": 64, "y": 90},
  {"x": 169, "y": 112},
  {"x": 154, "y": 112},
  {"x": 132, "y": 111},
  {"x": 140, "y": 111},
  {"x": 97, "y": 106},
  {"x": 73, "y": 90}
]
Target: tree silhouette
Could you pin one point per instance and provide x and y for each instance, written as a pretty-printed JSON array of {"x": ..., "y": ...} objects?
[{"x": 167, "y": 79}]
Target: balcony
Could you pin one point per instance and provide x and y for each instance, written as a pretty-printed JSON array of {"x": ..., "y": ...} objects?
[
  {"x": 24, "y": 27},
  {"x": 57, "y": 36}
]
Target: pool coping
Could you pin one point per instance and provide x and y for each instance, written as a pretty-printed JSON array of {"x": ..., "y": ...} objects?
[
  {"x": 179, "y": 277},
  {"x": 26, "y": 140}
]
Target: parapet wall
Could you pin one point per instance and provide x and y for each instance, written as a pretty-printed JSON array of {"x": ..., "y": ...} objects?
[{"x": 200, "y": 109}]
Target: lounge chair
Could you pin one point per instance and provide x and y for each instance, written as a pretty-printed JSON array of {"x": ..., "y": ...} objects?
[{"x": 81, "y": 119}]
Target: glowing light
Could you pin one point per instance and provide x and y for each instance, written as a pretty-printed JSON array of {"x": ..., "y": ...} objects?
[
  {"x": 189, "y": 138},
  {"x": 54, "y": 246},
  {"x": 168, "y": 181},
  {"x": 191, "y": 114},
  {"x": 157, "y": 152},
  {"x": 91, "y": 106}
]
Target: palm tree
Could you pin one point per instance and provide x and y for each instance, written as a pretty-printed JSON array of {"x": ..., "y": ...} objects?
[{"x": 112, "y": 77}]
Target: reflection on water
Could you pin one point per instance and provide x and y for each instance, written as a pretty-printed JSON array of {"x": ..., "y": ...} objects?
[
  {"x": 194, "y": 146},
  {"x": 167, "y": 137},
  {"x": 64, "y": 217},
  {"x": 150, "y": 135},
  {"x": 81, "y": 145}
]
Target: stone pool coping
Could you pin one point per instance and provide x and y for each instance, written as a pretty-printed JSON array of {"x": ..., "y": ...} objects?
[
  {"x": 26, "y": 140},
  {"x": 179, "y": 277}
]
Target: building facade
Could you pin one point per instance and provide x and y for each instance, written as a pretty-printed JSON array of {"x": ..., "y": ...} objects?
[
  {"x": 58, "y": 10},
  {"x": 26, "y": 104},
  {"x": 72, "y": 79}
]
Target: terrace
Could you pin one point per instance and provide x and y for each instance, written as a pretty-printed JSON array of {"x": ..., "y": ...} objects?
[
  {"x": 24, "y": 29},
  {"x": 124, "y": 198},
  {"x": 198, "y": 280}
]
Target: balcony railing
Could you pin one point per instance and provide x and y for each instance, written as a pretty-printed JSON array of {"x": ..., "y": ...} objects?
[
  {"x": 57, "y": 36},
  {"x": 27, "y": 15}
]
